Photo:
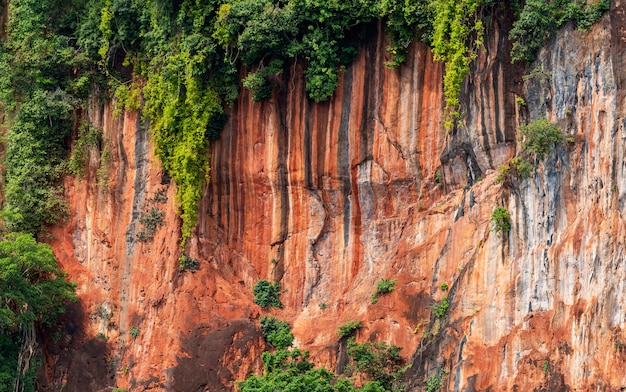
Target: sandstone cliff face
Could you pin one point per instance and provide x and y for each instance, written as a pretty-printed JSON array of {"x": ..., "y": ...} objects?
[{"x": 329, "y": 198}]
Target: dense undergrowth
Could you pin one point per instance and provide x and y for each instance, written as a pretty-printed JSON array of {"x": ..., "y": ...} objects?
[{"x": 179, "y": 61}]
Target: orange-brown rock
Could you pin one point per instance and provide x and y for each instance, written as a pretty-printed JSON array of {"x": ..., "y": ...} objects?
[{"x": 329, "y": 198}]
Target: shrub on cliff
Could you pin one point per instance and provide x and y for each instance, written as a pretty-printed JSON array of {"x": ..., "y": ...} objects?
[
  {"x": 500, "y": 220},
  {"x": 267, "y": 294},
  {"x": 276, "y": 333},
  {"x": 441, "y": 308},
  {"x": 378, "y": 361},
  {"x": 349, "y": 328},
  {"x": 539, "y": 137},
  {"x": 383, "y": 286}
]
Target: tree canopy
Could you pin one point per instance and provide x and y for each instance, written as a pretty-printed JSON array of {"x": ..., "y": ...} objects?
[{"x": 33, "y": 291}]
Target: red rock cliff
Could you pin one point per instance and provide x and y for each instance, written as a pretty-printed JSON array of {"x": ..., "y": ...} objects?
[{"x": 329, "y": 198}]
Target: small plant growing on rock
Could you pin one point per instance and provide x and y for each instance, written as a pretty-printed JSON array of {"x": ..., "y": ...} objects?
[
  {"x": 102, "y": 336},
  {"x": 383, "y": 286},
  {"x": 323, "y": 306},
  {"x": 188, "y": 263},
  {"x": 134, "y": 332},
  {"x": 514, "y": 167},
  {"x": 434, "y": 382},
  {"x": 267, "y": 294},
  {"x": 545, "y": 368},
  {"x": 152, "y": 218},
  {"x": 441, "y": 308},
  {"x": 439, "y": 178},
  {"x": 150, "y": 221},
  {"x": 500, "y": 220},
  {"x": 349, "y": 328},
  {"x": 443, "y": 286}
]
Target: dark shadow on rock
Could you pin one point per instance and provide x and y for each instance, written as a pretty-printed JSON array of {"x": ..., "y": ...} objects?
[
  {"x": 213, "y": 356},
  {"x": 73, "y": 361}
]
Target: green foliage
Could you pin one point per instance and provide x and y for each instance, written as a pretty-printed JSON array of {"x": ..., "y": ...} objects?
[
  {"x": 378, "y": 361},
  {"x": 276, "y": 333},
  {"x": 438, "y": 177},
  {"x": 349, "y": 328},
  {"x": 406, "y": 21},
  {"x": 186, "y": 263},
  {"x": 43, "y": 76},
  {"x": 33, "y": 162},
  {"x": 539, "y": 137},
  {"x": 186, "y": 55},
  {"x": 152, "y": 217},
  {"x": 500, "y": 220},
  {"x": 540, "y": 19},
  {"x": 9, "y": 351},
  {"x": 443, "y": 286},
  {"x": 33, "y": 288},
  {"x": 150, "y": 222},
  {"x": 267, "y": 294},
  {"x": 516, "y": 167},
  {"x": 292, "y": 371},
  {"x": 134, "y": 332},
  {"x": 535, "y": 25},
  {"x": 457, "y": 34},
  {"x": 88, "y": 137},
  {"x": 383, "y": 286},
  {"x": 434, "y": 382},
  {"x": 33, "y": 292},
  {"x": 441, "y": 308},
  {"x": 260, "y": 82},
  {"x": 126, "y": 97}
]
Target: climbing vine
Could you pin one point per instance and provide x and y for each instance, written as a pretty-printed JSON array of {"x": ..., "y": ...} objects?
[{"x": 457, "y": 36}]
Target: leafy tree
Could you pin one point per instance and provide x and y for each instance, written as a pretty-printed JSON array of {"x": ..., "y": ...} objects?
[{"x": 33, "y": 291}]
